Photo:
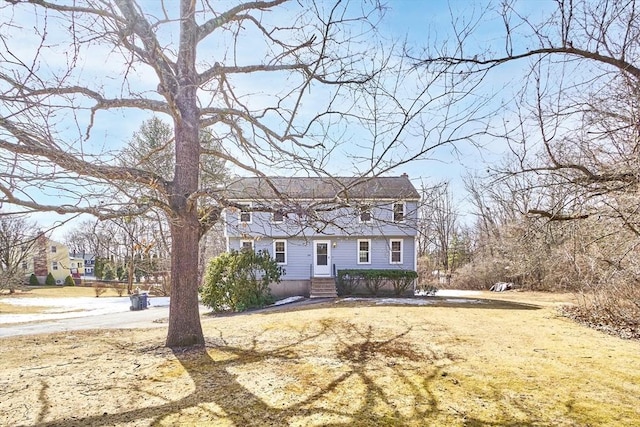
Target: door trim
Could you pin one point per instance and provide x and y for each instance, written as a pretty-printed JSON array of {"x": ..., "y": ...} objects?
[{"x": 320, "y": 272}]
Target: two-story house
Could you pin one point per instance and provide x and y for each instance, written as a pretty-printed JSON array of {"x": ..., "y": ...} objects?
[
  {"x": 314, "y": 227},
  {"x": 48, "y": 256}
]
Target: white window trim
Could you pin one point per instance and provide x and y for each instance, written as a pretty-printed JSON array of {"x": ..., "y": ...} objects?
[
  {"x": 391, "y": 261},
  {"x": 286, "y": 252},
  {"x": 404, "y": 212},
  {"x": 243, "y": 241},
  {"x": 240, "y": 212},
  {"x": 358, "y": 252},
  {"x": 273, "y": 218},
  {"x": 54, "y": 265}
]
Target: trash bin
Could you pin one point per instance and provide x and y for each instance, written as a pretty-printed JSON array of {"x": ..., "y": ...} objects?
[
  {"x": 135, "y": 302},
  {"x": 144, "y": 301}
]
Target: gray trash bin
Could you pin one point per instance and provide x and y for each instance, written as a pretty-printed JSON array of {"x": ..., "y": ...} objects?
[
  {"x": 144, "y": 301},
  {"x": 135, "y": 302}
]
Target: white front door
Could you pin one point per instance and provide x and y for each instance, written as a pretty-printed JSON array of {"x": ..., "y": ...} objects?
[{"x": 322, "y": 258}]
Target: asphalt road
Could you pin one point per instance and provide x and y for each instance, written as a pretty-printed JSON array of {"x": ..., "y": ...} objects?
[{"x": 153, "y": 317}]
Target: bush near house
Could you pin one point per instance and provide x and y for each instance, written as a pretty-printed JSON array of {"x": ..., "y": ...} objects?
[
  {"x": 33, "y": 280},
  {"x": 50, "y": 281},
  {"x": 68, "y": 281},
  {"x": 375, "y": 281},
  {"x": 237, "y": 281}
]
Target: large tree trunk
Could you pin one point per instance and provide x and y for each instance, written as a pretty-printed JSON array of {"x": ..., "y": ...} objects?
[{"x": 184, "y": 318}]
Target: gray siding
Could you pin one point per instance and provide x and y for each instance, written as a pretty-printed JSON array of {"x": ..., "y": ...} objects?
[
  {"x": 337, "y": 223},
  {"x": 344, "y": 253}
]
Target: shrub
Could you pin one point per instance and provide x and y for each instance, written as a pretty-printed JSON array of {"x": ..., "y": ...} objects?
[
  {"x": 108, "y": 272},
  {"x": 50, "y": 281},
  {"x": 350, "y": 281},
  {"x": 98, "y": 268},
  {"x": 33, "y": 280},
  {"x": 237, "y": 281},
  {"x": 68, "y": 281},
  {"x": 346, "y": 283},
  {"x": 99, "y": 289},
  {"x": 121, "y": 273}
]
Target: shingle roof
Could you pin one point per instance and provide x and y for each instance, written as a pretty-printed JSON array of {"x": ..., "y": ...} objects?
[{"x": 329, "y": 188}]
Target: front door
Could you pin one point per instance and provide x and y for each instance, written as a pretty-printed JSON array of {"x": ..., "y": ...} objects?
[{"x": 322, "y": 258}]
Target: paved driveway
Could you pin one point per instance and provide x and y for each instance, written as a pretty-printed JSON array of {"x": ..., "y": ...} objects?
[{"x": 72, "y": 314}]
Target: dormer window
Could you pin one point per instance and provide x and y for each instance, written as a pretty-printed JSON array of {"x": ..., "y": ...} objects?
[{"x": 398, "y": 212}]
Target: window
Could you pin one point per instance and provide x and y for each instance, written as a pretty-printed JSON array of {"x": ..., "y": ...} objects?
[
  {"x": 53, "y": 249},
  {"x": 25, "y": 265},
  {"x": 246, "y": 245},
  {"x": 364, "y": 251},
  {"x": 245, "y": 213},
  {"x": 277, "y": 217},
  {"x": 365, "y": 214},
  {"x": 54, "y": 265},
  {"x": 398, "y": 212},
  {"x": 395, "y": 251},
  {"x": 280, "y": 251}
]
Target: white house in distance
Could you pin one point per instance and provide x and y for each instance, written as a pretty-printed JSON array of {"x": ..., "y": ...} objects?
[{"x": 315, "y": 227}]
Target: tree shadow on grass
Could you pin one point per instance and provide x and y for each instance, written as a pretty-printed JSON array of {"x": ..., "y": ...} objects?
[
  {"x": 332, "y": 373},
  {"x": 418, "y": 302}
]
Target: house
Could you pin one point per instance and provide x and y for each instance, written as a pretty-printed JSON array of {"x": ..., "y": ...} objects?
[
  {"x": 76, "y": 266},
  {"x": 86, "y": 264},
  {"x": 315, "y": 227},
  {"x": 48, "y": 256}
]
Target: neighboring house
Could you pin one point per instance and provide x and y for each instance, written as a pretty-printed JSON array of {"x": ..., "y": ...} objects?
[
  {"x": 86, "y": 264},
  {"x": 314, "y": 227},
  {"x": 49, "y": 256},
  {"x": 76, "y": 266}
]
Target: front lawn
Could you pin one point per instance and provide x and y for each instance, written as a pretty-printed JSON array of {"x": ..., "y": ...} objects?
[{"x": 350, "y": 364}]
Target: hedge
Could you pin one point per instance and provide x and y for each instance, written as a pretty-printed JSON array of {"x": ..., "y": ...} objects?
[{"x": 374, "y": 280}]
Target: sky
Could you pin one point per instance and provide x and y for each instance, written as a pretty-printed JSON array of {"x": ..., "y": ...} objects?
[{"x": 422, "y": 24}]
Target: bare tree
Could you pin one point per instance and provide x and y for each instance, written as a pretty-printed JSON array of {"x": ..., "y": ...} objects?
[
  {"x": 279, "y": 85},
  {"x": 17, "y": 239},
  {"x": 438, "y": 224},
  {"x": 572, "y": 127},
  {"x": 574, "y": 119}
]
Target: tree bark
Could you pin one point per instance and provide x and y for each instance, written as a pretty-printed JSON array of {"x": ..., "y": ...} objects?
[{"x": 184, "y": 319}]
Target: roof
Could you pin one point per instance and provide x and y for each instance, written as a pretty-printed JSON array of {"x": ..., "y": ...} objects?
[{"x": 323, "y": 188}]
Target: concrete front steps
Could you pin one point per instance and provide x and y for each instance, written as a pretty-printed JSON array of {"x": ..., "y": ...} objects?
[{"x": 323, "y": 287}]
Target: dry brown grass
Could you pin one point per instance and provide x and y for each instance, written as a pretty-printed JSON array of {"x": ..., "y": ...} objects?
[
  {"x": 498, "y": 363},
  {"x": 18, "y": 309},
  {"x": 59, "y": 292}
]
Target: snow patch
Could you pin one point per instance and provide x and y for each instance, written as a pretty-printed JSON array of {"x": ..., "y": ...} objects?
[
  {"x": 67, "y": 308},
  {"x": 287, "y": 300},
  {"x": 414, "y": 301}
]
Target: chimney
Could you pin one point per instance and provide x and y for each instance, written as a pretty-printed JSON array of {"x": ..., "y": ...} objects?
[{"x": 404, "y": 175}]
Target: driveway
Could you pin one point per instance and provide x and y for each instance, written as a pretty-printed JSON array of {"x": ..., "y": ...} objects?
[
  {"x": 78, "y": 313},
  {"x": 72, "y": 314}
]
